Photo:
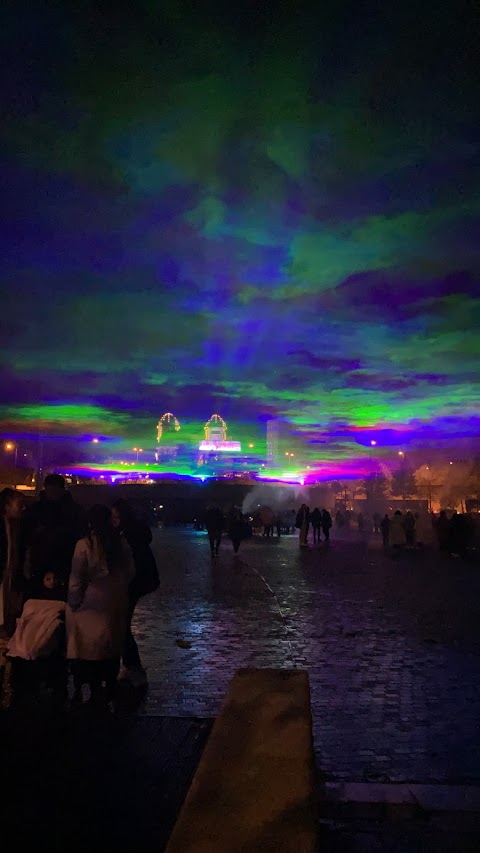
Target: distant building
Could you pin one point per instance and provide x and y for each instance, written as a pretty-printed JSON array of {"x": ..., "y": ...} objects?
[
  {"x": 168, "y": 428},
  {"x": 273, "y": 440},
  {"x": 215, "y": 440}
]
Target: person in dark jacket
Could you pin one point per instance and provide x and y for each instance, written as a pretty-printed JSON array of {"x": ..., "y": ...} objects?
[
  {"x": 316, "y": 522},
  {"x": 146, "y": 580},
  {"x": 214, "y": 522},
  {"x": 326, "y": 524},
  {"x": 443, "y": 531},
  {"x": 53, "y": 525},
  {"x": 302, "y": 523},
  {"x": 236, "y": 527},
  {"x": 12, "y": 556},
  {"x": 385, "y": 528}
]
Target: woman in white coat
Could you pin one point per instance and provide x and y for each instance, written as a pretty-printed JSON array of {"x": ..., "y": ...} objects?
[{"x": 97, "y": 606}]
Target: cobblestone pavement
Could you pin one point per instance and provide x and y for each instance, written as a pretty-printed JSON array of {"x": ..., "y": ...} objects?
[{"x": 392, "y": 646}]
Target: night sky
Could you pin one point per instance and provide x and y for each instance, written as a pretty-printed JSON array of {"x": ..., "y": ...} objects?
[{"x": 272, "y": 211}]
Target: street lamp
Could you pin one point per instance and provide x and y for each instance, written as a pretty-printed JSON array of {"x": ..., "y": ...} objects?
[
  {"x": 137, "y": 451},
  {"x": 11, "y": 446},
  {"x": 401, "y": 453}
]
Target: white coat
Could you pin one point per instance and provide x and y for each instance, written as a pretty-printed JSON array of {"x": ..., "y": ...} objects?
[
  {"x": 39, "y": 632},
  {"x": 97, "y": 602}
]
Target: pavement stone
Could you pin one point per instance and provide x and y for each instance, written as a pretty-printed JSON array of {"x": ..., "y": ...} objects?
[{"x": 392, "y": 647}]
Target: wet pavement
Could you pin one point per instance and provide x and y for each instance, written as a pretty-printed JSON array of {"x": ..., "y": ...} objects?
[{"x": 392, "y": 646}]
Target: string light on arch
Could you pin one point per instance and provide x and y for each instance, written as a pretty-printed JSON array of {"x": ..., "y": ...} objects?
[
  {"x": 216, "y": 429},
  {"x": 168, "y": 423}
]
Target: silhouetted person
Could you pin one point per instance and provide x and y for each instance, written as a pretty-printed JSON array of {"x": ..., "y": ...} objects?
[
  {"x": 97, "y": 608},
  {"x": 214, "y": 522},
  {"x": 459, "y": 535},
  {"x": 139, "y": 536},
  {"x": 302, "y": 523},
  {"x": 235, "y": 527},
  {"x": 326, "y": 524},
  {"x": 397, "y": 531},
  {"x": 53, "y": 526},
  {"x": 385, "y": 528},
  {"x": 409, "y": 524},
  {"x": 12, "y": 556},
  {"x": 316, "y": 522},
  {"x": 442, "y": 528}
]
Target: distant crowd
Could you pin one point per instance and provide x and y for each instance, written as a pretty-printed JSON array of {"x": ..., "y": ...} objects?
[
  {"x": 455, "y": 534},
  {"x": 70, "y": 582}
]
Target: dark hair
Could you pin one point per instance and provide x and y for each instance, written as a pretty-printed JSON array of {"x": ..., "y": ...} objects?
[
  {"x": 99, "y": 524},
  {"x": 125, "y": 511},
  {"x": 6, "y": 496},
  {"x": 54, "y": 480}
]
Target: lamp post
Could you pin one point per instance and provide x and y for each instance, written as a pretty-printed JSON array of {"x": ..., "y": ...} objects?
[
  {"x": 11, "y": 446},
  {"x": 137, "y": 451}
]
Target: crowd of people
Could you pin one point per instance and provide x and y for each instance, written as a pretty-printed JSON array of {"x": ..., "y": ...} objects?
[
  {"x": 318, "y": 519},
  {"x": 265, "y": 522},
  {"x": 70, "y": 582},
  {"x": 455, "y": 534}
]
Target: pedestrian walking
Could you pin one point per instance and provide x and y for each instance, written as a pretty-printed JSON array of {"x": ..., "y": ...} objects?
[
  {"x": 326, "y": 524},
  {"x": 214, "y": 522},
  {"x": 385, "y": 528},
  {"x": 316, "y": 522},
  {"x": 236, "y": 527},
  {"x": 423, "y": 529},
  {"x": 442, "y": 529},
  {"x": 97, "y": 608},
  {"x": 397, "y": 531},
  {"x": 138, "y": 535},
  {"x": 459, "y": 535},
  {"x": 302, "y": 523},
  {"x": 409, "y": 524},
  {"x": 268, "y": 518}
]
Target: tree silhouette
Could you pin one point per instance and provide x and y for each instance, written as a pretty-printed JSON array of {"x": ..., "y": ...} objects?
[
  {"x": 403, "y": 482},
  {"x": 375, "y": 487}
]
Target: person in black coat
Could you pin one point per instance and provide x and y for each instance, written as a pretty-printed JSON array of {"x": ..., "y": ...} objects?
[
  {"x": 236, "y": 527},
  {"x": 12, "y": 557},
  {"x": 326, "y": 524},
  {"x": 302, "y": 523},
  {"x": 385, "y": 528},
  {"x": 53, "y": 525},
  {"x": 316, "y": 522},
  {"x": 214, "y": 522},
  {"x": 146, "y": 580}
]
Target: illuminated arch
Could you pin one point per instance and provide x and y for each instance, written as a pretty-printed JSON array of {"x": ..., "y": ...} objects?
[
  {"x": 167, "y": 424},
  {"x": 216, "y": 429}
]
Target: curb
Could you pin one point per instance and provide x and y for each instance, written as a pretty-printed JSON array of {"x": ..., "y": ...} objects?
[{"x": 376, "y": 800}]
